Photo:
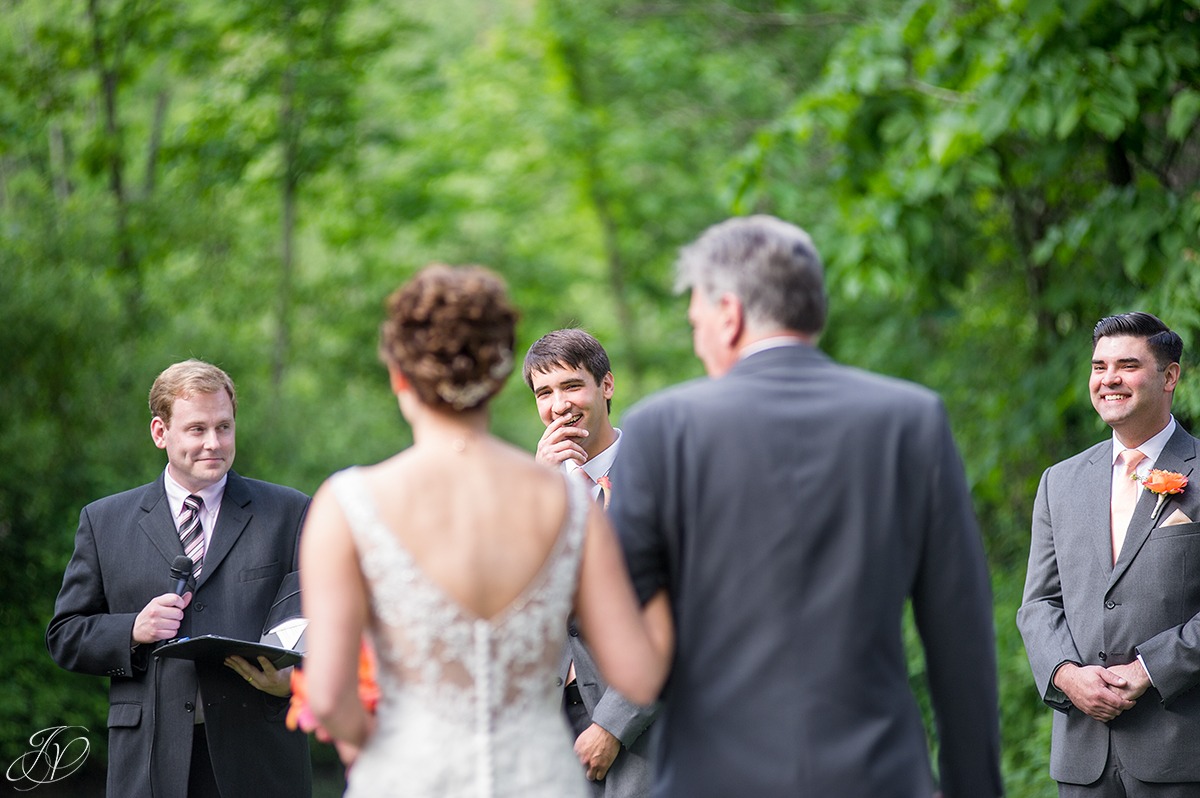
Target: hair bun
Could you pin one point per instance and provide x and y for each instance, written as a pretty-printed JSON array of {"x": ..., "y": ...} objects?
[{"x": 450, "y": 330}]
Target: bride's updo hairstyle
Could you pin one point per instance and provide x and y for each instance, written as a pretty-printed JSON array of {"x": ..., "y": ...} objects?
[{"x": 450, "y": 331}]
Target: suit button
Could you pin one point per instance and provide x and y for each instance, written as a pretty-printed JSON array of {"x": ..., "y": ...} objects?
[
  {"x": 1108, "y": 605},
  {"x": 200, "y": 607},
  {"x": 558, "y": 682},
  {"x": 1103, "y": 656},
  {"x": 573, "y": 630},
  {"x": 189, "y": 706}
]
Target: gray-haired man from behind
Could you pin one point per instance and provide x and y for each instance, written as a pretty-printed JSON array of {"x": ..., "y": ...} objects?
[{"x": 791, "y": 506}]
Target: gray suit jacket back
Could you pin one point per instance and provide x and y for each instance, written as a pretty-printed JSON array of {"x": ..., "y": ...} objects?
[
  {"x": 1080, "y": 607},
  {"x": 123, "y": 552},
  {"x": 791, "y": 508}
]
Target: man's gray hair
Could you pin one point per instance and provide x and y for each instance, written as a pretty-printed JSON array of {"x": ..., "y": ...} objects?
[{"x": 771, "y": 266}]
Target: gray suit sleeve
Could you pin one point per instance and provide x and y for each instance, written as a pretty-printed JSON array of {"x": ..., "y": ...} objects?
[
  {"x": 1041, "y": 618},
  {"x": 1172, "y": 658},
  {"x": 622, "y": 718}
]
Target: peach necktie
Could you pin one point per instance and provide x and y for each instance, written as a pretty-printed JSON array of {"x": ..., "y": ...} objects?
[{"x": 1124, "y": 498}]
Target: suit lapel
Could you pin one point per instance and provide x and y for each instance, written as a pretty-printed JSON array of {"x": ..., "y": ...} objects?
[
  {"x": 1096, "y": 499},
  {"x": 158, "y": 524},
  {"x": 1178, "y": 455},
  {"x": 235, "y": 515}
]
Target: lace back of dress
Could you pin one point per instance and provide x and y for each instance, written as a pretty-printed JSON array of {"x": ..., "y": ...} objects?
[{"x": 444, "y": 673}]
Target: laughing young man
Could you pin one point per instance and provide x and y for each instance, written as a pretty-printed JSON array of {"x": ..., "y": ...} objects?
[{"x": 572, "y": 382}]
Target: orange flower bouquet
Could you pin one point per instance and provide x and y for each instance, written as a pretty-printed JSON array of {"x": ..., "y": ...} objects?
[
  {"x": 1164, "y": 483},
  {"x": 300, "y": 715}
]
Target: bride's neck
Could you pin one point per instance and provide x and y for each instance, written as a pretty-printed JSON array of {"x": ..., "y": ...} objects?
[{"x": 435, "y": 429}]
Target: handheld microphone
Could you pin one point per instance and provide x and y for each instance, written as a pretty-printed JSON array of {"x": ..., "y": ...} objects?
[{"x": 181, "y": 571}]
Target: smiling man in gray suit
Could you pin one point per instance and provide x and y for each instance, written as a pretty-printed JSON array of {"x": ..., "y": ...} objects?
[
  {"x": 792, "y": 506},
  {"x": 572, "y": 383},
  {"x": 175, "y": 728},
  {"x": 1111, "y": 613}
]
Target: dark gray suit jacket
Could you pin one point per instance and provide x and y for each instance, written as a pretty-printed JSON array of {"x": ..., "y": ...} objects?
[
  {"x": 1079, "y": 607},
  {"x": 791, "y": 508},
  {"x": 123, "y": 552}
]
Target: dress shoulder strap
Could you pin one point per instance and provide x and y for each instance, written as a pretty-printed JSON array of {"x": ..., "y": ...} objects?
[{"x": 357, "y": 504}]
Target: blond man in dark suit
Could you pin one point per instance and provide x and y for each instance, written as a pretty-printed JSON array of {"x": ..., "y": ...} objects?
[{"x": 178, "y": 728}]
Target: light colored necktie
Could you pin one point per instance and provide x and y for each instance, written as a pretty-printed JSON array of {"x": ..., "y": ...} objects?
[
  {"x": 586, "y": 478},
  {"x": 1124, "y": 497},
  {"x": 191, "y": 533}
]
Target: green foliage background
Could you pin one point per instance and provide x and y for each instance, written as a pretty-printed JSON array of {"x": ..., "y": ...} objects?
[{"x": 245, "y": 181}]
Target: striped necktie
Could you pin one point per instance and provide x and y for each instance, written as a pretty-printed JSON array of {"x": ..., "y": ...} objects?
[{"x": 191, "y": 534}]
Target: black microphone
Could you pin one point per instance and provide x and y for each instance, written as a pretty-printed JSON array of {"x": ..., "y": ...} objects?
[{"x": 181, "y": 571}]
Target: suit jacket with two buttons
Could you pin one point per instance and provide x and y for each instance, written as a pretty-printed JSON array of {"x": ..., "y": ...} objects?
[
  {"x": 1079, "y": 607},
  {"x": 791, "y": 508},
  {"x": 123, "y": 552}
]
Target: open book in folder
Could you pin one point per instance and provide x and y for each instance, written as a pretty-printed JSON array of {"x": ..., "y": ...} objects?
[
  {"x": 282, "y": 640},
  {"x": 216, "y": 647}
]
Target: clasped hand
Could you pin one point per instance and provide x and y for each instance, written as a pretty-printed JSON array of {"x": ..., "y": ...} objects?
[{"x": 1103, "y": 693}]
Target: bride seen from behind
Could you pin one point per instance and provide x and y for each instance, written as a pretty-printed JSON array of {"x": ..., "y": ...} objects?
[{"x": 461, "y": 558}]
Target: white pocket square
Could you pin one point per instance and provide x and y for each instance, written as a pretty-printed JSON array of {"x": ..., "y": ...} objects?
[{"x": 1176, "y": 518}]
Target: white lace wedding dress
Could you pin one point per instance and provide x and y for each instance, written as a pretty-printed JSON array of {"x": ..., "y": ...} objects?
[{"x": 469, "y": 705}]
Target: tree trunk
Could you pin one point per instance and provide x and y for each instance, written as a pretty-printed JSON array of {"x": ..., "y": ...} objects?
[
  {"x": 156, "y": 133},
  {"x": 108, "y": 75},
  {"x": 290, "y": 137}
]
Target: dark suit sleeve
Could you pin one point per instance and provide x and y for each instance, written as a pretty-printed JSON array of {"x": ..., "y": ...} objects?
[
  {"x": 638, "y": 518},
  {"x": 1041, "y": 619},
  {"x": 83, "y": 636},
  {"x": 953, "y": 610}
]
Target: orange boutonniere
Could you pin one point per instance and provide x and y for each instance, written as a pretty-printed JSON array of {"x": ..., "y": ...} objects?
[
  {"x": 1164, "y": 483},
  {"x": 300, "y": 715},
  {"x": 605, "y": 489}
]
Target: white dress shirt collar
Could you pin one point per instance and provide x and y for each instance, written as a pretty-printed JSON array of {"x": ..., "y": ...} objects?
[
  {"x": 599, "y": 465},
  {"x": 1152, "y": 448},
  {"x": 769, "y": 343},
  {"x": 211, "y": 495}
]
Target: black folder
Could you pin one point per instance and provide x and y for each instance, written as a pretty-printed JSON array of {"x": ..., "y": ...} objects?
[{"x": 217, "y": 648}]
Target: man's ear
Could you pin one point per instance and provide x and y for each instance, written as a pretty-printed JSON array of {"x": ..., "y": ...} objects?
[
  {"x": 1171, "y": 377},
  {"x": 158, "y": 432},
  {"x": 607, "y": 385},
  {"x": 733, "y": 319}
]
